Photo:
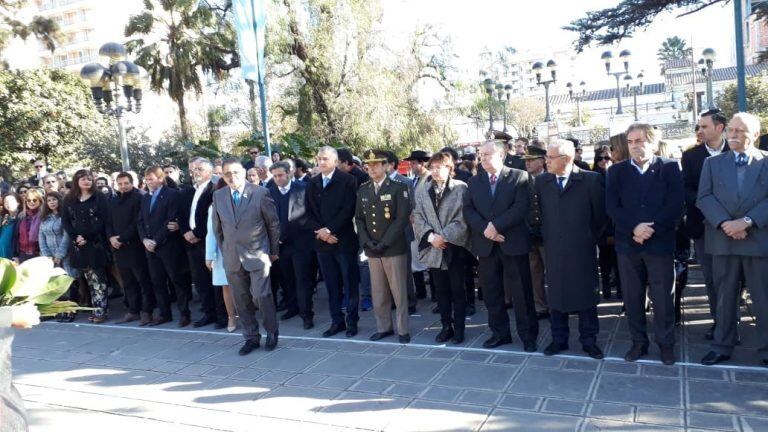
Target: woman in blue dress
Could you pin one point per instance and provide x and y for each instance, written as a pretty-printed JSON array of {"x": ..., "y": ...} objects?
[
  {"x": 215, "y": 262},
  {"x": 8, "y": 225}
]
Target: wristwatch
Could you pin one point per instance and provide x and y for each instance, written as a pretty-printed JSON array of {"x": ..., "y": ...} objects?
[{"x": 748, "y": 221}]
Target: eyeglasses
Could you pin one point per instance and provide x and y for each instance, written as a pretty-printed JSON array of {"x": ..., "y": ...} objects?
[
  {"x": 603, "y": 158},
  {"x": 32, "y": 201},
  {"x": 553, "y": 157}
]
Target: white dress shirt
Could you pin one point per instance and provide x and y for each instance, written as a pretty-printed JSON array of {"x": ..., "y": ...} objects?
[
  {"x": 286, "y": 189},
  {"x": 198, "y": 192},
  {"x": 716, "y": 151},
  {"x": 645, "y": 166}
]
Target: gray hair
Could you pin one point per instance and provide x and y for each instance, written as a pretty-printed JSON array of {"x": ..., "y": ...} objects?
[
  {"x": 263, "y": 162},
  {"x": 563, "y": 147},
  {"x": 204, "y": 161},
  {"x": 285, "y": 166},
  {"x": 750, "y": 120},
  {"x": 498, "y": 145},
  {"x": 330, "y": 150}
]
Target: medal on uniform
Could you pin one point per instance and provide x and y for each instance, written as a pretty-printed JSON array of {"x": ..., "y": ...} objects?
[{"x": 386, "y": 213}]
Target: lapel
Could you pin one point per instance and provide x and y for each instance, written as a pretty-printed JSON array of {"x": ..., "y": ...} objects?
[
  {"x": 244, "y": 201},
  {"x": 576, "y": 175},
  {"x": 725, "y": 169},
  {"x": 501, "y": 180},
  {"x": 750, "y": 177},
  {"x": 432, "y": 213},
  {"x": 158, "y": 200},
  {"x": 292, "y": 198},
  {"x": 228, "y": 206}
]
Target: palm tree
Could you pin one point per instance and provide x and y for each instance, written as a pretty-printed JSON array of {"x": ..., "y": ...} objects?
[
  {"x": 186, "y": 38},
  {"x": 44, "y": 29},
  {"x": 673, "y": 48}
]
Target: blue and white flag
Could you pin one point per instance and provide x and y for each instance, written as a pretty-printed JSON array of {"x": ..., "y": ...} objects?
[{"x": 250, "y": 20}]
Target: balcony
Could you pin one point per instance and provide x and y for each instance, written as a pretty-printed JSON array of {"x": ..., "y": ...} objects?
[{"x": 47, "y": 5}]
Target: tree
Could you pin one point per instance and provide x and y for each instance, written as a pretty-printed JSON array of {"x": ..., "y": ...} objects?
[
  {"x": 44, "y": 29},
  {"x": 673, "y": 48},
  {"x": 757, "y": 100},
  {"x": 524, "y": 113},
  {"x": 46, "y": 114},
  {"x": 194, "y": 37}
]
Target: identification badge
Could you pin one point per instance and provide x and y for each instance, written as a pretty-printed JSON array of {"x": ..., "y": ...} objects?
[{"x": 386, "y": 197}]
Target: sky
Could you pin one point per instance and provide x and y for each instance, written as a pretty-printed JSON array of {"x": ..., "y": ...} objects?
[{"x": 537, "y": 26}]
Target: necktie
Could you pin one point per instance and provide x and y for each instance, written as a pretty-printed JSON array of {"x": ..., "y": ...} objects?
[
  {"x": 741, "y": 160},
  {"x": 236, "y": 198},
  {"x": 376, "y": 188},
  {"x": 326, "y": 180},
  {"x": 560, "y": 182},
  {"x": 493, "y": 184},
  {"x": 152, "y": 201}
]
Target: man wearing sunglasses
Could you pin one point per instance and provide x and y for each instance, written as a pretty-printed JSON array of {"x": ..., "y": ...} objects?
[
  {"x": 254, "y": 154},
  {"x": 40, "y": 173}
]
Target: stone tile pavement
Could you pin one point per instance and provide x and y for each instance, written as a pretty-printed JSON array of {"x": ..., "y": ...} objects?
[{"x": 166, "y": 379}]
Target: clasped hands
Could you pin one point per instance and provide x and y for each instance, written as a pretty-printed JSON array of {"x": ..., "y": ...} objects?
[
  {"x": 642, "y": 232},
  {"x": 491, "y": 234},
  {"x": 375, "y": 246},
  {"x": 735, "y": 229},
  {"x": 325, "y": 235}
]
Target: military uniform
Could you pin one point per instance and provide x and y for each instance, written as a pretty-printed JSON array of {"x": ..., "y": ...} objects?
[{"x": 381, "y": 217}]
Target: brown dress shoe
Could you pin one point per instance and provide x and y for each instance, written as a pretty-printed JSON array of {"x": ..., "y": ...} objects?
[
  {"x": 146, "y": 318},
  {"x": 184, "y": 321},
  {"x": 128, "y": 317},
  {"x": 159, "y": 320}
]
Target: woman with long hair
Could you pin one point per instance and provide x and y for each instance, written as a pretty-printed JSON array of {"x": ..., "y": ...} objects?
[
  {"x": 215, "y": 262},
  {"x": 28, "y": 243},
  {"x": 9, "y": 213},
  {"x": 54, "y": 243},
  {"x": 84, "y": 215},
  {"x": 607, "y": 259}
]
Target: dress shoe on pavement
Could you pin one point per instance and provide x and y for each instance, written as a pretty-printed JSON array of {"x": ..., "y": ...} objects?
[
  {"x": 159, "y": 320},
  {"x": 334, "y": 329},
  {"x": 352, "y": 330},
  {"x": 496, "y": 341},
  {"x": 638, "y": 350},
  {"x": 457, "y": 339},
  {"x": 542, "y": 315},
  {"x": 249, "y": 346},
  {"x": 128, "y": 317},
  {"x": 404, "y": 338},
  {"x": 593, "y": 351},
  {"x": 710, "y": 334},
  {"x": 204, "y": 321},
  {"x": 308, "y": 324},
  {"x": 184, "y": 321},
  {"x": 289, "y": 314},
  {"x": 554, "y": 348},
  {"x": 411, "y": 310},
  {"x": 470, "y": 310},
  {"x": 271, "y": 341},
  {"x": 668, "y": 355},
  {"x": 146, "y": 318},
  {"x": 713, "y": 358},
  {"x": 445, "y": 334},
  {"x": 530, "y": 346},
  {"x": 381, "y": 335}
]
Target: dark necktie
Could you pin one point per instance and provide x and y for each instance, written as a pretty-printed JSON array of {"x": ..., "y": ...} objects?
[
  {"x": 493, "y": 184},
  {"x": 153, "y": 200},
  {"x": 560, "y": 182},
  {"x": 741, "y": 160}
]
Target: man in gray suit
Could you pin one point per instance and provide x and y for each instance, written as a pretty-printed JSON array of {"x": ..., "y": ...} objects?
[
  {"x": 247, "y": 227},
  {"x": 733, "y": 196}
]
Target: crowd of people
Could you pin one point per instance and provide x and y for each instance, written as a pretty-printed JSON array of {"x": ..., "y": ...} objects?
[{"x": 545, "y": 233}]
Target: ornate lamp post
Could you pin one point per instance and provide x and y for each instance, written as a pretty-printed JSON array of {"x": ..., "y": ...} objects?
[
  {"x": 539, "y": 68},
  {"x": 706, "y": 63},
  {"x": 503, "y": 92},
  {"x": 108, "y": 82},
  {"x": 578, "y": 96},
  {"x": 489, "y": 86},
  {"x": 624, "y": 57},
  {"x": 635, "y": 89}
]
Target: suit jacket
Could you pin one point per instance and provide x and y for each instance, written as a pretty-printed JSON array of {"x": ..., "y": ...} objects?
[
  {"x": 383, "y": 217},
  {"x": 507, "y": 208},
  {"x": 124, "y": 223},
  {"x": 656, "y": 196},
  {"x": 249, "y": 233},
  {"x": 411, "y": 200},
  {"x": 295, "y": 236},
  {"x": 692, "y": 162},
  {"x": 514, "y": 161},
  {"x": 333, "y": 208},
  {"x": 201, "y": 211},
  {"x": 572, "y": 221},
  {"x": 361, "y": 176},
  {"x": 153, "y": 225},
  {"x": 720, "y": 200},
  {"x": 447, "y": 220}
]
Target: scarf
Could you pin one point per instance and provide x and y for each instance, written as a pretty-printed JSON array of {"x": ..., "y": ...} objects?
[{"x": 29, "y": 232}]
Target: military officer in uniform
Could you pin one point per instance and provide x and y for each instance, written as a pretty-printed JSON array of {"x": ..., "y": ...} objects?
[{"x": 382, "y": 213}]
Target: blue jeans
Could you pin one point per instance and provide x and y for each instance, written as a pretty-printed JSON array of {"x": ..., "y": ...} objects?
[{"x": 342, "y": 279}]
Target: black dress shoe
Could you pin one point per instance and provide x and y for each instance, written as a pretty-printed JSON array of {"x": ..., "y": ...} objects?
[
  {"x": 554, "y": 348},
  {"x": 710, "y": 334},
  {"x": 308, "y": 323},
  {"x": 713, "y": 358},
  {"x": 593, "y": 351},
  {"x": 667, "y": 355},
  {"x": 249, "y": 346},
  {"x": 445, "y": 334},
  {"x": 542, "y": 315},
  {"x": 496, "y": 341},
  {"x": 765, "y": 362},
  {"x": 638, "y": 350},
  {"x": 289, "y": 314},
  {"x": 470, "y": 310},
  {"x": 271, "y": 341},
  {"x": 457, "y": 339},
  {"x": 352, "y": 330},
  {"x": 530, "y": 346},
  {"x": 381, "y": 335},
  {"x": 404, "y": 338},
  {"x": 204, "y": 321},
  {"x": 334, "y": 329}
]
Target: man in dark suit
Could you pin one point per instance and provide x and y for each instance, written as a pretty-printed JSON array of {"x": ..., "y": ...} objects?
[
  {"x": 330, "y": 213},
  {"x": 495, "y": 209},
  {"x": 295, "y": 261},
  {"x": 302, "y": 170},
  {"x": 578, "y": 161},
  {"x": 458, "y": 173},
  {"x": 569, "y": 197},
  {"x": 711, "y": 128},
  {"x": 645, "y": 198},
  {"x": 347, "y": 165},
  {"x": 164, "y": 249},
  {"x": 194, "y": 226},
  {"x": 733, "y": 196},
  {"x": 131, "y": 260},
  {"x": 40, "y": 173}
]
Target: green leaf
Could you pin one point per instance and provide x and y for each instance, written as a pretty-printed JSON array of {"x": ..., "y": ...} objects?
[
  {"x": 7, "y": 276},
  {"x": 55, "y": 288},
  {"x": 58, "y": 307},
  {"x": 32, "y": 277}
]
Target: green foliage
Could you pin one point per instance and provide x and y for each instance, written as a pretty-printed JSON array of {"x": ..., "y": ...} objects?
[
  {"x": 757, "y": 100},
  {"x": 44, "y": 29},
  {"x": 35, "y": 281},
  {"x": 673, "y": 48}
]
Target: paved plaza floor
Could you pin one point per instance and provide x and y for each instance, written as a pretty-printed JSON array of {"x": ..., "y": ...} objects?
[{"x": 122, "y": 377}]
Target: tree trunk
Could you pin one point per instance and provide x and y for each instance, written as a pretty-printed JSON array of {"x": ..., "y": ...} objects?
[
  {"x": 254, "y": 113},
  {"x": 183, "y": 126}
]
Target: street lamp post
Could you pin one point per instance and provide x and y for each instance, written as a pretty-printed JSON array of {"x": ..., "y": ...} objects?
[
  {"x": 624, "y": 57},
  {"x": 503, "y": 93},
  {"x": 488, "y": 84},
  {"x": 635, "y": 89},
  {"x": 706, "y": 63},
  {"x": 539, "y": 68},
  {"x": 578, "y": 96},
  {"x": 108, "y": 82}
]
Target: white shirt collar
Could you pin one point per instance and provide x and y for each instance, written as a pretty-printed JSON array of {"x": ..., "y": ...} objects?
[
  {"x": 716, "y": 151},
  {"x": 567, "y": 177},
  {"x": 286, "y": 189},
  {"x": 644, "y": 168},
  {"x": 379, "y": 183},
  {"x": 241, "y": 189},
  {"x": 329, "y": 176}
]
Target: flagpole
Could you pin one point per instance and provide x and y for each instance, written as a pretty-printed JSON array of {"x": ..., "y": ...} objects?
[{"x": 260, "y": 81}]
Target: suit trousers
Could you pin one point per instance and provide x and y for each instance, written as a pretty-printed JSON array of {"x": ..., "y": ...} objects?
[
  {"x": 342, "y": 279},
  {"x": 608, "y": 263},
  {"x": 589, "y": 326},
  {"x": 296, "y": 281},
  {"x": 727, "y": 271},
  {"x": 497, "y": 272},
  {"x": 659, "y": 272},
  {"x": 250, "y": 289},
  {"x": 137, "y": 286},
  {"x": 451, "y": 295},
  {"x": 161, "y": 269},
  {"x": 389, "y": 282},
  {"x": 201, "y": 276},
  {"x": 705, "y": 261},
  {"x": 536, "y": 259}
]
